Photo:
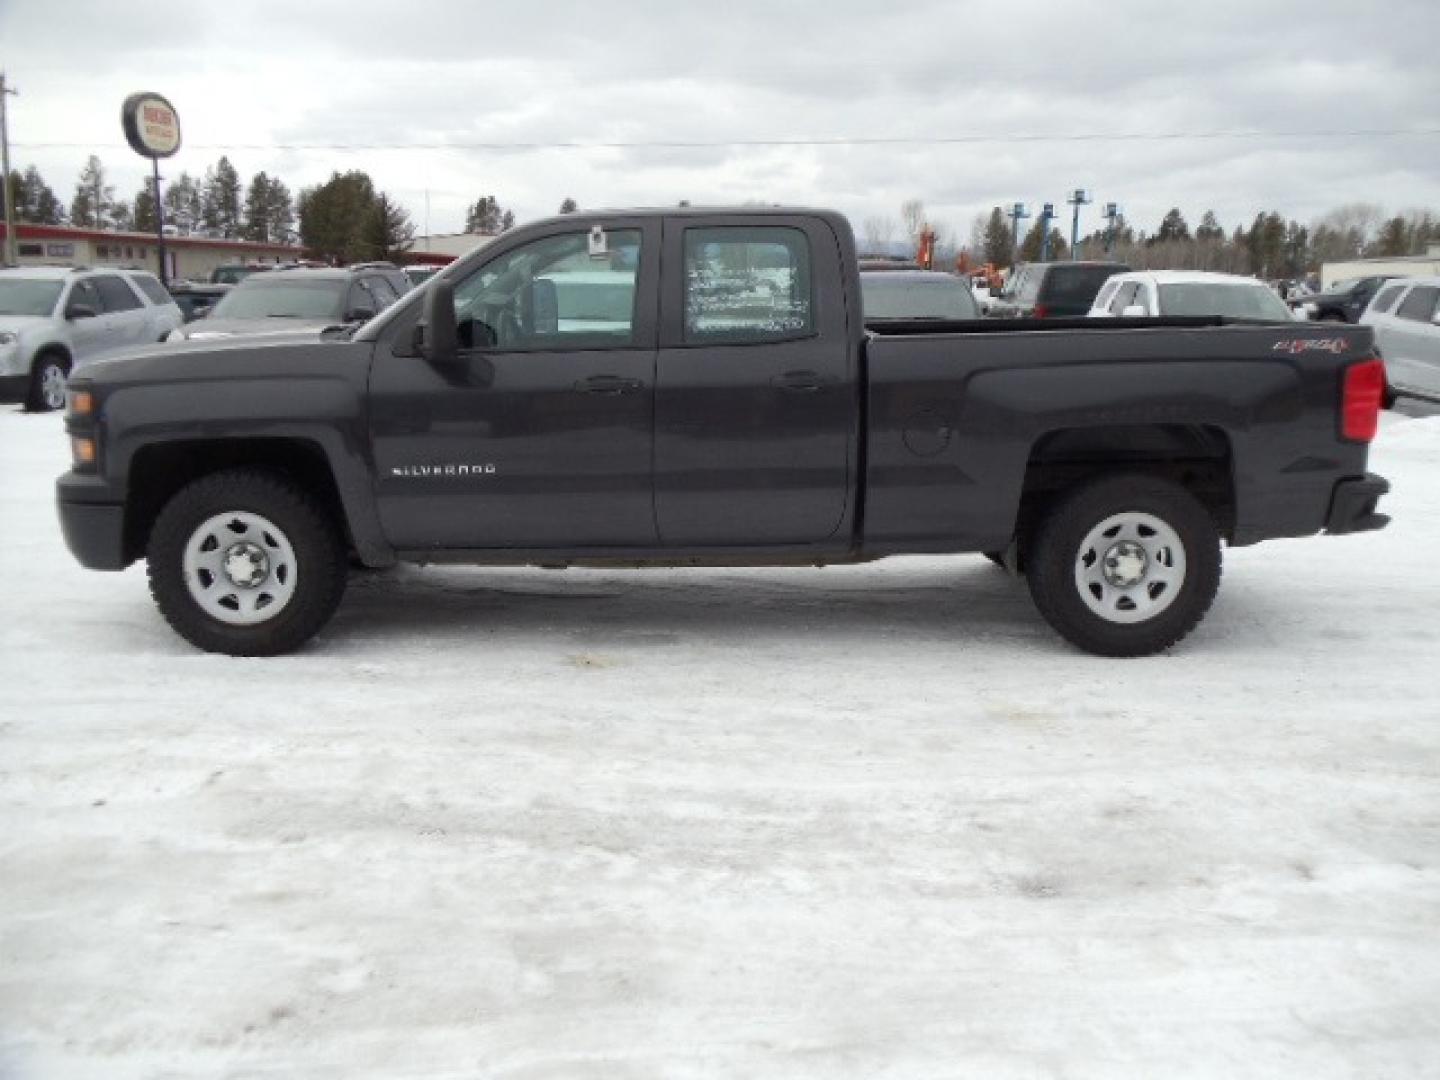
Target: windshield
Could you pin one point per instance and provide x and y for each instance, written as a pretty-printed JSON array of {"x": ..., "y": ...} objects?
[
  {"x": 904, "y": 296},
  {"x": 417, "y": 274},
  {"x": 230, "y": 275},
  {"x": 28, "y": 296},
  {"x": 259, "y": 299},
  {"x": 1236, "y": 301}
]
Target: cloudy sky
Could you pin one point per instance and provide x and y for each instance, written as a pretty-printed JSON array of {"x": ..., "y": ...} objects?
[{"x": 864, "y": 105}]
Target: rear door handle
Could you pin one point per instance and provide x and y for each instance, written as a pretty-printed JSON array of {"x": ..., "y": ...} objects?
[
  {"x": 608, "y": 384},
  {"x": 799, "y": 382}
]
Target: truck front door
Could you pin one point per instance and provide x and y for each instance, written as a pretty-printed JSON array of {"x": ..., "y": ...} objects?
[
  {"x": 540, "y": 435},
  {"x": 756, "y": 393}
]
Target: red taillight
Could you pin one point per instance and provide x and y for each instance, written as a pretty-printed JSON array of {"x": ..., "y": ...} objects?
[
  {"x": 1360, "y": 404},
  {"x": 1040, "y": 311}
]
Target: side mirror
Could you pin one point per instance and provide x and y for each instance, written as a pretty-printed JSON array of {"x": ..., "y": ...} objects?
[
  {"x": 1135, "y": 311},
  {"x": 436, "y": 337},
  {"x": 80, "y": 311},
  {"x": 360, "y": 314}
]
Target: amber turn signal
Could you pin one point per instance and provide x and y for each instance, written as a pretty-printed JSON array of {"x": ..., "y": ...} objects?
[
  {"x": 82, "y": 402},
  {"x": 82, "y": 450}
]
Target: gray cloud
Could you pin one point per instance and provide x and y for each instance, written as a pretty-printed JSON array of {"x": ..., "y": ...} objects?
[{"x": 452, "y": 73}]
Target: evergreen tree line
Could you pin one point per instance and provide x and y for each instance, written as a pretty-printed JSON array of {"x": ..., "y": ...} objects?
[
  {"x": 1271, "y": 246},
  {"x": 345, "y": 219}
]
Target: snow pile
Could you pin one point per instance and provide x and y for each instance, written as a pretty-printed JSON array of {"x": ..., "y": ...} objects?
[{"x": 873, "y": 821}]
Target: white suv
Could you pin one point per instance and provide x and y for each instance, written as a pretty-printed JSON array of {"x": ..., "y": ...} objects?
[
  {"x": 1156, "y": 293},
  {"x": 54, "y": 319},
  {"x": 1405, "y": 315}
]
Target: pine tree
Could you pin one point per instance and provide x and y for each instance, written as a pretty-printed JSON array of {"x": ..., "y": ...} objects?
[
  {"x": 280, "y": 212},
  {"x": 183, "y": 203},
  {"x": 1209, "y": 228},
  {"x": 997, "y": 239},
  {"x": 92, "y": 196},
  {"x": 144, "y": 215},
  {"x": 568, "y": 206},
  {"x": 507, "y": 221},
  {"x": 257, "y": 209},
  {"x": 1173, "y": 227},
  {"x": 486, "y": 216},
  {"x": 388, "y": 230}
]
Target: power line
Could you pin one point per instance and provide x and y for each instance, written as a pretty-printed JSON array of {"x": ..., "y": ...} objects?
[{"x": 704, "y": 144}]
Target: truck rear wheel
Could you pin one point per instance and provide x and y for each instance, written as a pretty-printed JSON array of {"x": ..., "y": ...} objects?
[
  {"x": 1125, "y": 565},
  {"x": 244, "y": 562}
]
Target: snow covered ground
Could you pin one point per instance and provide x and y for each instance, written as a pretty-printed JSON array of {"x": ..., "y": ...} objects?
[{"x": 871, "y": 821}]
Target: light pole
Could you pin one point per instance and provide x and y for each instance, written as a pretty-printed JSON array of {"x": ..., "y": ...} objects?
[
  {"x": 1047, "y": 215},
  {"x": 11, "y": 258},
  {"x": 1018, "y": 211},
  {"x": 1077, "y": 198},
  {"x": 1112, "y": 213}
]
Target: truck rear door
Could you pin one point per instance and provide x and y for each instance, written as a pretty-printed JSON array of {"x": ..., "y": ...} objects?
[{"x": 756, "y": 399}]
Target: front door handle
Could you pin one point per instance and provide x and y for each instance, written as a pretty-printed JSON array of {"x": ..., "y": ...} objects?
[
  {"x": 608, "y": 384},
  {"x": 799, "y": 382}
]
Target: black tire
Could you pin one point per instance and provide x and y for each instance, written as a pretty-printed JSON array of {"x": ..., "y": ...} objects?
[
  {"x": 1057, "y": 554},
  {"x": 49, "y": 368},
  {"x": 312, "y": 544}
]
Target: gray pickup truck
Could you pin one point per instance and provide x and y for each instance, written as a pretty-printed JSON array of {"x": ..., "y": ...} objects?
[{"x": 700, "y": 387}]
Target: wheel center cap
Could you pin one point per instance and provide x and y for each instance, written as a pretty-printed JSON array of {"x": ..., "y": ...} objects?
[
  {"x": 1125, "y": 564},
  {"x": 246, "y": 565}
]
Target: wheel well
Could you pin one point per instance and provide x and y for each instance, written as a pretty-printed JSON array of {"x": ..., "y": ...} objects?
[
  {"x": 53, "y": 350},
  {"x": 1195, "y": 456},
  {"x": 160, "y": 470}
]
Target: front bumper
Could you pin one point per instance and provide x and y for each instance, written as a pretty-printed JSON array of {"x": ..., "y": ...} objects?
[
  {"x": 1352, "y": 506},
  {"x": 94, "y": 531}
]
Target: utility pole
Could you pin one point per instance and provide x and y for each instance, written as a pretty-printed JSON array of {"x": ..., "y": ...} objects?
[
  {"x": 160, "y": 226},
  {"x": 1112, "y": 213},
  {"x": 1077, "y": 198},
  {"x": 1018, "y": 211},
  {"x": 11, "y": 257},
  {"x": 1047, "y": 215}
]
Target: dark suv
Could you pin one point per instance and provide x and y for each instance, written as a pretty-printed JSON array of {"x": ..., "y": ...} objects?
[
  {"x": 1056, "y": 290},
  {"x": 1345, "y": 301}
]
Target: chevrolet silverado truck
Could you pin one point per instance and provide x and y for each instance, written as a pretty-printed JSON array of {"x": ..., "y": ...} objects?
[{"x": 699, "y": 387}]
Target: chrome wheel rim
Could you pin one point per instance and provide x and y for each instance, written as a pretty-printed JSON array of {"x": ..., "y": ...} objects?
[
  {"x": 240, "y": 568},
  {"x": 52, "y": 386},
  {"x": 1130, "y": 567}
]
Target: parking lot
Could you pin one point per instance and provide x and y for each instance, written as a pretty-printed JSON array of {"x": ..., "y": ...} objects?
[{"x": 868, "y": 821}]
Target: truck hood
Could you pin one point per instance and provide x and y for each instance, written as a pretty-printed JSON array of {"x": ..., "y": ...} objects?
[
  {"x": 203, "y": 329},
  {"x": 273, "y": 356}
]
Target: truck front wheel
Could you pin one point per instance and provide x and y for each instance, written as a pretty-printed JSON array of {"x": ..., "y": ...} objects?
[
  {"x": 1125, "y": 565},
  {"x": 246, "y": 563}
]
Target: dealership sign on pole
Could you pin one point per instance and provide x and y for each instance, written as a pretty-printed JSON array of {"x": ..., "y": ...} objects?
[{"x": 152, "y": 128}]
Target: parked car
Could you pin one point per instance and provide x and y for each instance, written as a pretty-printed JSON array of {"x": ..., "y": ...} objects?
[
  {"x": 416, "y": 273},
  {"x": 1055, "y": 290},
  {"x": 290, "y": 301},
  {"x": 1345, "y": 301},
  {"x": 1405, "y": 316},
  {"x": 196, "y": 298},
  {"x": 54, "y": 319},
  {"x": 1150, "y": 294},
  {"x": 390, "y": 272},
  {"x": 713, "y": 420},
  {"x": 916, "y": 294}
]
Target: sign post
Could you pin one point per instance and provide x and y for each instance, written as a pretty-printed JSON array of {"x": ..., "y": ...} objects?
[{"x": 152, "y": 128}]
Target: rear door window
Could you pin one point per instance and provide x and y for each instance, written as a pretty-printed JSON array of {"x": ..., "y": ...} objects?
[
  {"x": 115, "y": 293},
  {"x": 747, "y": 285},
  {"x": 1419, "y": 306},
  {"x": 151, "y": 287},
  {"x": 1102, "y": 302},
  {"x": 1075, "y": 284}
]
